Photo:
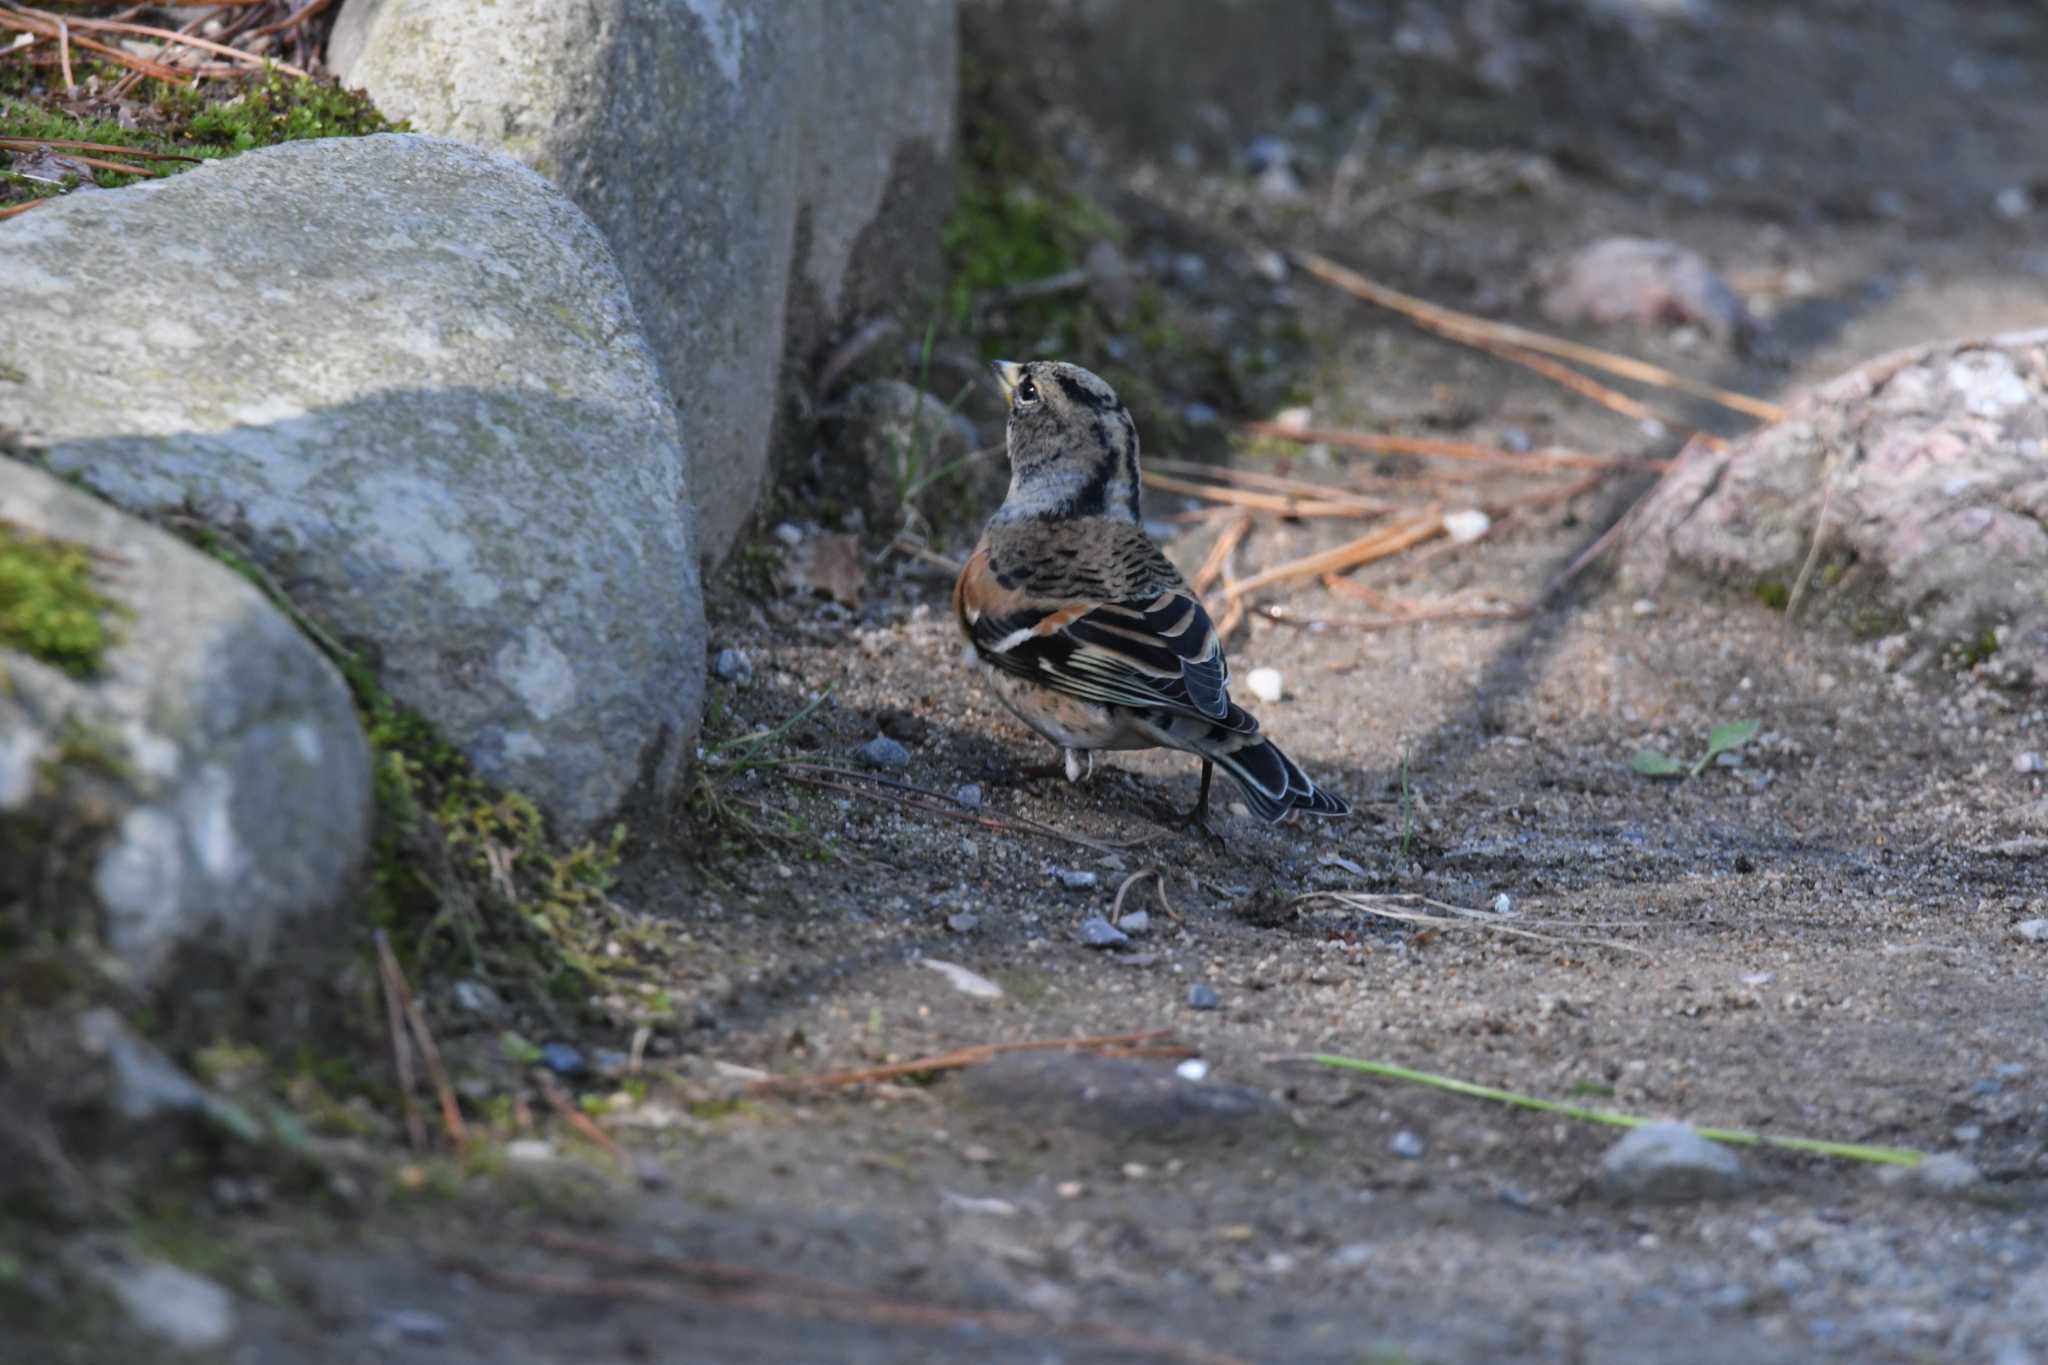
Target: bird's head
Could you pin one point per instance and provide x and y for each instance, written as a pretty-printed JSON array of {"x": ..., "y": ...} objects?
[{"x": 1073, "y": 447}]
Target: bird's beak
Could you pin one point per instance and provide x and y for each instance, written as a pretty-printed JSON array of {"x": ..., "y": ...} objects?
[{"x": 1008, "y": 374}]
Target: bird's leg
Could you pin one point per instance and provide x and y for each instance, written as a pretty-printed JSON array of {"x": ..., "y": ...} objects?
[{"x": 1198, "y": 818}]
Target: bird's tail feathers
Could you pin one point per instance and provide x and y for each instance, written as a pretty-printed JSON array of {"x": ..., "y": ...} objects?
[{"x": 1273, "y": 784}]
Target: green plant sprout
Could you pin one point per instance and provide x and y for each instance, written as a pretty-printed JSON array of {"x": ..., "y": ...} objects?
[{"x": 1723, "y": 738}]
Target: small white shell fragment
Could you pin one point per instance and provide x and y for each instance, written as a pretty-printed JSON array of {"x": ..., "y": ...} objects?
[
  {"x": 1466, "y": 526},
  {"x": 964, "y": 981},
  {"x": 1266, "y": 683}
]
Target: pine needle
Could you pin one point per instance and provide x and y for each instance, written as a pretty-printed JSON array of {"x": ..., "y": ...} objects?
[{"x": 1851, "y": 1151}]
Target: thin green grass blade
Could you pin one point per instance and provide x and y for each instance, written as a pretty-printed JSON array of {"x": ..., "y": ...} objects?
[{"x": 1852, "y": 1151}]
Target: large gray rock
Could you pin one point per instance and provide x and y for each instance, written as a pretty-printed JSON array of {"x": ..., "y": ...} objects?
[
  {"x": 738, "y": 154},
  {"x": 407, "y": 372},
  {"x": 208, "y": 790},
  {"x": 1911, "y": 491}
]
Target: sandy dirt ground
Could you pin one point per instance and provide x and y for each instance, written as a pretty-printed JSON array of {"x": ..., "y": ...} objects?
[{"x": 1817, "y": 941}]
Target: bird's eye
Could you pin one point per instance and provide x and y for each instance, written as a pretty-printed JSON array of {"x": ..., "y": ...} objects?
[{"x": 1027, "y": 391}]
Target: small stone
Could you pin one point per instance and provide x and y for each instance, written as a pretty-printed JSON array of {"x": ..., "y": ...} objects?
[
  {"x": 529, "y": 1149},
  {"x": 1351, "y": 1256},
  {"x": 401, "y": 1325},
  {"x": 1070, "y": 1189},
  {"x": 884, "y": 752},
  {"x": 1193, "y": 1069},
  {"x": 1503, "y": 904},
  {"x": 2031, "y": 930},
  {"x": 1199, "y": 415},
  {"x": 1669, "y": 1162},
  {"x": 977, "y": 1154},
  {"x": 2013, "y": 203},
  {"x": 189, "y": 1311},
  {"x": 1136, "y": 924},
  {"x": 1642, "y": 606},
  {"x": 1202, "y": 996},
  {"x": 962, "y": 923},
  {"x": 1097, "y": 932},
  {"x": 1265, "y": 683},
  {"x": 789, "y": 534},
  {"x": 1466, "y": 526},
  {"x": 2029, "y": 761},
  {"x": 1967, "y": 1132},
  {"x": 1278, "y": 184},
  {"x": 1270, "y": 265},
  {"x": 1074, "y": 878},
  {"x": 1265, "y": 152},
  {"x": 968, "y": 794},
  {"x": 1946, "y": 1173},
  {"x": 733, "y": 666},
  {"x": 1408, "y": 1146},
  {"x": 476, "y": 997},
  {"x": 562, "y": 1059}
]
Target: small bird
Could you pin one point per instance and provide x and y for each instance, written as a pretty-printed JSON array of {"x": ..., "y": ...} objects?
[{"x": 1083, "y": 628}]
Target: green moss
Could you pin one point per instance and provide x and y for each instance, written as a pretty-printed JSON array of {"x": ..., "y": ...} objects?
[
  {"x": 277, "y": 110},
  {"x": 1773, "y": 594},
  {"x": 1977, "y": 650},
  {"x": 202, "y": 122},
  {"x": 50, "y": 607},
  {"x": 1010, "y": 234}
]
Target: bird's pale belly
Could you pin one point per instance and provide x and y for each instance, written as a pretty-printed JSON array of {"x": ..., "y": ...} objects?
[{"x": 1067, "y": 721}]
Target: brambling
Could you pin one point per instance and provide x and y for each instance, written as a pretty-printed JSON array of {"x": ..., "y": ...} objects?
[{"x": 1084, "y": 630}]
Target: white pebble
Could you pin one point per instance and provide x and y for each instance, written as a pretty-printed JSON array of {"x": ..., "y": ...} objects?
[
  {"x": 1193, "y": 1069},
  {"x": 1266, "y": 683},
  {"x": 2029, "y": 762},
  {"x": 1467, "y": 526}
]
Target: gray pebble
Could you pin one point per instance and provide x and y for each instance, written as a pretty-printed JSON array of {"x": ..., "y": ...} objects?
[
  {"x": 1669, "y": 1163},
  {"x": 968, "y": 794},
  {"x": 1202, "y": 996},
  {"x": 1097, "y": 932},
  {"x": 1946, "y": 1173},
  {"x": 1136, "y": 923},
  {"x": 884, "y": 752},
  {"x": 476, "y": 997},
  {"x": 1407, "y": 1146},
  {"x": 962, "y": 923},
  {"x": 1074, "y": 879},
  {"x": 2029, "y": 762},
  {"x": 2031, "y": 930},
  {"x": 409, "y": 1324},
  {"x": 733, "y": 666}
]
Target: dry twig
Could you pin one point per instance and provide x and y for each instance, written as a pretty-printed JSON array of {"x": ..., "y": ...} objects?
[
  {"x": 1150, "y": 1039},
  {"x": 1218, "y": 558},
  {"x": 1429, "y": 447},
  {"x": 1390, "y": 539},
  {"x": 162, "y": 35},
  {"x": 1473, "y": 330},
  {"x": 559, "y": 1101},
  {"x": 401, "y": 1045},
  {"x": 1447, "y": 916}
]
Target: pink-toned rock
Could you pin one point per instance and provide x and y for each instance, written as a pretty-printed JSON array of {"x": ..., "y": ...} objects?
[
  {"x": 1638, "y": 279},
  {"x": 1915, "y": 486}
]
